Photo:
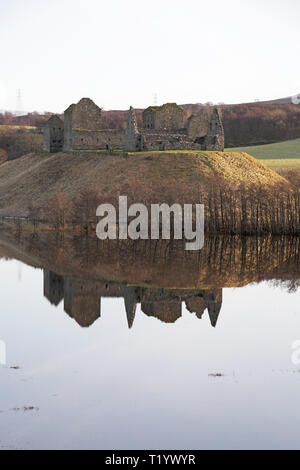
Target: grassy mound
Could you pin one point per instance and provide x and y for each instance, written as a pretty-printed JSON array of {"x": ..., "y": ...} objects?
[{"x": 36, "y": 178}]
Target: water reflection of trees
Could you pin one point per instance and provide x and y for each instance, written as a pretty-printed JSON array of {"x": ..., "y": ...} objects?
[
  {"x": 159, "y": 275},
  {"x": 223, "y": 261}
]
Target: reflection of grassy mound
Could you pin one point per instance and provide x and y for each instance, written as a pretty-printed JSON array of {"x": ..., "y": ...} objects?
[
  {"x": 36, "y": 178},
  {"x": 223, "y": 261}
]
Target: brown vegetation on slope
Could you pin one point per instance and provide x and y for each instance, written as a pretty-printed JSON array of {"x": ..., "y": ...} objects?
[{"x": 240, "y": 194}]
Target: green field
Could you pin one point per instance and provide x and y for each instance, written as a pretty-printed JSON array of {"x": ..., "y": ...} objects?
[
  {"x": 288, "y": 149},
  {"x": 278, "y": 155},
  {"x": 282, "y": 162}
]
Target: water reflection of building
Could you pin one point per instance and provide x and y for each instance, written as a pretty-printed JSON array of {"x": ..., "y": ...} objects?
[
  {"x": 53, "y": 287},
  {"x": 82, "y": 299}
]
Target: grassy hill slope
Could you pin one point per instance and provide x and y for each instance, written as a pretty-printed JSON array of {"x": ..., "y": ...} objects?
[{"x": 36, "y": 178}]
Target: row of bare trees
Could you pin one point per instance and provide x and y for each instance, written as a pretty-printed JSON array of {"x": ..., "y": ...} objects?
[
  {"x": 242, "y": 211},
  {"x": 253, "y": 211}
]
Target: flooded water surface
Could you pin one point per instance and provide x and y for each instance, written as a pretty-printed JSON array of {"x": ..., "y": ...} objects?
[{"x": 147, "y": 346}]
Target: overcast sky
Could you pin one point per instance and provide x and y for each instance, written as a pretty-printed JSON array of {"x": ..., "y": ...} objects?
[{"x": 122, "y": 52}]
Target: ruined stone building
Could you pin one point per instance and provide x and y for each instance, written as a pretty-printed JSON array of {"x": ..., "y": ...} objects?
[
  {"x": 82, "y": 128},
  {"x": 163, "y": 128},
  {"x": 54, "y": 135}
]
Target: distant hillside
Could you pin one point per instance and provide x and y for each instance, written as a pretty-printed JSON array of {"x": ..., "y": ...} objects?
[
  {"x": 17, "y": 140},
  {"x": 257, "y": 123}
]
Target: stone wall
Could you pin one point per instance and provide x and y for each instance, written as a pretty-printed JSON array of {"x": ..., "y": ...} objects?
[
  {"x": 198, "y": 124},
  {"x": 81, "y": 301},
  {"x": 102, "y": 139},
  {"x": 53, "y": 135},
  {"x": 53, "y": 287},
  {"x": 168, "y": 141},
  {"x": 68, "y": 128},
  {"x": 133, "y": 138},
  {"x": 82, "y": 129},
  {"x": 167, "y": 312},
  {"x": 163, "y": 129},
  {"x": 169, "y": 117},
  {"x": 215, "y": 136},
  {"x": 84, "y": 115}
]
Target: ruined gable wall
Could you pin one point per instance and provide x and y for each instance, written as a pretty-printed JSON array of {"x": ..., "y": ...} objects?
[
  {"x": 215, "y": 136},
  {"x": 86, "y": 115},
  {"x": 166, "y": 117},
  {"x": 83, "y": 118},
  {"x": 169, "y": 117}
]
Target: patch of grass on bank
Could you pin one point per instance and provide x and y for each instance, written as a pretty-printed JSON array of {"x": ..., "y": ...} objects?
[
  {"x": 167, "y": 152},
  {"x": 281, "y": 150},
  {"x": 5, "y": 127}
]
